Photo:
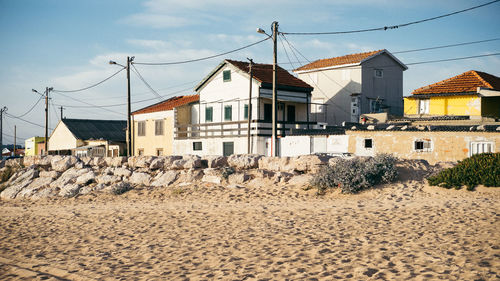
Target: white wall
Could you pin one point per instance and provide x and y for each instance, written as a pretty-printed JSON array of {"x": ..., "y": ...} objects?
[
  {"x": 214, "y": 146},
  {"x": 337, "y": 143},
  {"x": 153, "y": 115},
  {"x": 295, "y": 145},
  {"x": 62, "y": 138}
]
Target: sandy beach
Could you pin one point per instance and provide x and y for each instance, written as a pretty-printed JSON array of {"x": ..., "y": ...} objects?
[{"x": 406, "y": 230}]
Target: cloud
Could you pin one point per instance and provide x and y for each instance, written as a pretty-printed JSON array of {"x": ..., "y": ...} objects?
[{"x": 157, "y": 20}]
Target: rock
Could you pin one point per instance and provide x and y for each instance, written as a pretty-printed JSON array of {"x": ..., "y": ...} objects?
[
  {"x": 178, "y": 164},
  {"x": 79, "y": 165},
  {"x": 69, "y": 177},
  {"x": 264, "y": 174},
  {"x": 244, "y": 161},
  {"x": 107, "y": 171},
  {"x": 27, "y": 161},
  {"x": 86, "y": 178},
  {"x": 23, "y": 175},
  {"x": 119, "y": 188},
  {"x": 61, "y": 164},
  {"x": 122, "y": 172},
  {"x": 310, "y": 163},
  {"x": 165, "y": 179},
  {"x": 215, "y": 161},
  {"x": 144, "y": 161},
  {"x": 49, "y": 174},
  {"x": 300, "y": 180},
  {"x": 100, "y": 187},
  {"x": 168, "y": 160},
  {"x": 14, "y": 163},
  {"x": 34, "y": 186},
  {"x": 12, "y": 190},
  {"x": 277, "y": 164},
  {"x": 282, "y": 177},
  {"x": 115, "y": 161},
  {"x": 45, "y": 193},
  {"x": 107, "y": 179},
  {"x": 98, "y": 162},
  {"x": 191, "y": 162},
  {"x": 69, "y": 190},
  {"x": 238, "y": 178},
  {"x": 140, "y": 178},
  {"x": 191, "y": 175},
  {"x": 157, "y": 163},
  {"x": 87, "y": 161},
  {"x": 212, "y": 179}
]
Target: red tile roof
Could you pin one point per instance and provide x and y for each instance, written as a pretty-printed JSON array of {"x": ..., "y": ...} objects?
[
  {"x": 168, "y": 104},
  {"x": 264, "y": 74},
  {"x": 348, "y": 59},
  {"x": 466, "y": 82}
]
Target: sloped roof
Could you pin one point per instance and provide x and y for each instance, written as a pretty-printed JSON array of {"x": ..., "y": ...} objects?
[
  {"x": 262, "y": 73},
  {"x": 168, "y": 104},
  {"x": 467, "y": 82},
  {"x": 86, "y": 129}
]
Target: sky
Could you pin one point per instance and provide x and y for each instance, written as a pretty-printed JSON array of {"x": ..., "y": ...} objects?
[{"x": 67, "y": 45}]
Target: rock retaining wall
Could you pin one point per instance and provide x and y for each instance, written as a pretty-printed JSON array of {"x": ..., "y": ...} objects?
[{"x": 68, "y": 176}]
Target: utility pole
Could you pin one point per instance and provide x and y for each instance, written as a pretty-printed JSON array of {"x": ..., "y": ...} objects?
[
  {"x": 129, "y": 122},
  {"x": 62, "y": 108},
  {"x": 15, "y": 136},
  {"x": 249, "y": 106},
  {"x": 47, "y": 90},
  {"x": 2, "y": 110},
  {"x": 274, "y": 145}
]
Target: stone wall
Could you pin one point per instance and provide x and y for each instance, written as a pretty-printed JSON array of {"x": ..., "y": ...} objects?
[{"x": 67, "y": 176}]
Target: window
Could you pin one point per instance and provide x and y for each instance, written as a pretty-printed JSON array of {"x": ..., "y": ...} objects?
[
  {"x": 268, "y": 112},
  {"x": 480, "y": 147},
  {"x": 159, "y": 152},
  {"x": 159, "y": 127},
  {"x": 245, "y": 112},
  {"x": 227, "y": 148},
  {"x": 375, "y": 106},
  {"x": 226, "y": 75},
  {"x": 379, "y": 73},
  {"x": 141, "y": 128},
  {"x": 423, "y": 106},
  {"x": 197, "y": 146},
  {"x": 368, "y": 143},
  {"x": 422, "y": 145},
  {"x": 228, "y": 113},
  {"x": 140, "y": 151},
  {"x": 209, "y": 114},
  {"x": 317, "y": 106}
]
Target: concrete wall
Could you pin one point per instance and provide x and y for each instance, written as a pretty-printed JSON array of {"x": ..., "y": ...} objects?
[
  {"x": 62, "y": 139},
  {"x": 445, "y": 146},
  {"x": 304, "y": 145},
  {"x": 150, "y": 143},
  {"x": 214, "y": 146},
  {"x": 388, "y": 89}
]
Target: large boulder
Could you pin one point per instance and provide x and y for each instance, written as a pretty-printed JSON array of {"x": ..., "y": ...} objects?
[
  {"x": 63, "y": 163},
  {"x": 122, "y": 172},
  {"x": 168, "y": 160},
  {"x": 15, "y": 163},
  {"x": 98, "y": 162},
  {"x": 157, "y": 163},
  {"x": 69, "y": 190},
  {"x": 45, "y": 193},
  {"x": 86, "y": 178},
  {"x": 238, "y": 178},
  {"x": 115, "y": 161},
  {"x": 87, "y": 161},
  {"x": 215, "y": 161},
  {"x": 140, "y": 178},
  {"x": 107, "y": 179},
  {"x": 191, "y": 175},
  {"x": 244, "y": 161},
  {"x": 310, "y": 163},
  {"x": 165, "y": 179},
  {"x": 34, "y": 186},
  {"x": 69, "y": 176},
  {"x": 212, "y": 175},
  {"x": 18, "y": 182},
  {"x": 144, "y": 161},
  {"x": 277, "y": 164},
  {"x": 49, "y": 174}
]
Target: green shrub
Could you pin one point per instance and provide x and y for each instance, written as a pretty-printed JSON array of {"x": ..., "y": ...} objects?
[
  {"x": 227, "y": 171},
  {"x": 354, "y": 175},
  {"x": 479, "y": 169}
]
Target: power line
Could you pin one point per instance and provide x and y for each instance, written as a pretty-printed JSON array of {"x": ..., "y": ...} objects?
[
  {"x": 453, "y": 59},
  {"x": 136, "y": 71},
  {"x": 446, "y": 46},
  {"x": 22, "y": 115},
  {"x": 93, "y": 85},
  {"x": 27, "y": 121},
  {"x": 92, "y": 105},
  {"x": 205, "y": 58},
  {"x": 392, "y": 26}
]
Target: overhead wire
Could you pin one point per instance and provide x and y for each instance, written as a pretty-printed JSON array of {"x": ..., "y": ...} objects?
[
  {"x": 204, "y": 58},
  {"x": 91, "y": 86},
  {"x": 384, "y": 28},
  {"x": 27, "y": 121},
  {"x": 136, "y": 71},
  {"x": 446, "y": 46},
  {"x": 26, "y": 113},
  {"x": 93, "y": 105}
]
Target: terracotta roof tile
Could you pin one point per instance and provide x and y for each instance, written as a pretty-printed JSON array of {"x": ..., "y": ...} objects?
[
  {"x": 347, "y": 59},
  {"x": 168, "y": 104},
  {"x": 264, "y": 74},
  {"x": 466, "y": 82}
]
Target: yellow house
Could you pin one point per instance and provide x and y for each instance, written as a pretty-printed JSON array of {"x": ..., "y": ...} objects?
[
  {"x": 32, "y": 145},
  {"x": 473, "y": 93},
  {"x": 153, "y": 130}
]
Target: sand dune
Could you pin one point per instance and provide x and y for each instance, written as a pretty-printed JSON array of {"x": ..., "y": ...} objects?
[{"x": 258, "y": 232}]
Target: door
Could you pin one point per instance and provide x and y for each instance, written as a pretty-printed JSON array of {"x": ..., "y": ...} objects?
[
  {"x": 268, "y": 112},
  {"x": 227, "y": 148},
  {"x": 354, "y": 109},
  {"x": 290, "y": 113}
]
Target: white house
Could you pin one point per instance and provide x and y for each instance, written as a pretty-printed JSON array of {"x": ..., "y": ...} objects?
[
  {"x": 217, "y": 124},
  {"x": 355, "y": 84}
]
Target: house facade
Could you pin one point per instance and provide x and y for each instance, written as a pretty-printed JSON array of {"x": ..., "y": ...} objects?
[
  {"x": 355, "y": 84},
  {"x": 84, "y": 137},
  {"x": 218, "y": 123},
  {"x": 473, "y": 93},
  {"x": 33, "y": 146},
  {"x": 153, "y": 129}
]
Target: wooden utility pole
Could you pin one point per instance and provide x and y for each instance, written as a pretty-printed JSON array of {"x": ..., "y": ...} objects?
[
  {"x": 47, "y": 90},
  {"x": 274, "y": 145},
  {"x": 249, "y": 107},
  {"x": 62, "y": 108},
  {"x": 2, "y": 110},
  {"x": 15, "y": 136},
  {"x": 129, "y": 122}
]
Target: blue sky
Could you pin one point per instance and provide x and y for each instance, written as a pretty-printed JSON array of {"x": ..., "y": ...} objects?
[{"x": 67, "y": 45}]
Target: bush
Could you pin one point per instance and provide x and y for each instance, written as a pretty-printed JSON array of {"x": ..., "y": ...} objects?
[
  {"x": 479, "y": 169},
  {"x": 354, "y": 175}
]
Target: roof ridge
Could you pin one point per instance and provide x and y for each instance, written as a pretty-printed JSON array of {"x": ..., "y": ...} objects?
[
  {"x": 439, "y": 82},
  {"x": 368, "y": 55},
  {"x": 481, "y": 79}
]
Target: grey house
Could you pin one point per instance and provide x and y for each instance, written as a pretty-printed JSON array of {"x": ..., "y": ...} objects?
[{"x": 355, "y": 84}]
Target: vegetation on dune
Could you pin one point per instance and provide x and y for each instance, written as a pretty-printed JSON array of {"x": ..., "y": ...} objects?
[
  {"x": 356, "y": 174},
  {"x": 479, "y": 169}
]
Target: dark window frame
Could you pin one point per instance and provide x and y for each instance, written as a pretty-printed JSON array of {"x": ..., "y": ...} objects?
[
  {"x": 197, "y": 146},
  {"x": 226, "y": 75},
  {"x": 368, "y": 143},
  {"x": 228, "y": 113},
  {"x": 209, "y": 114}
]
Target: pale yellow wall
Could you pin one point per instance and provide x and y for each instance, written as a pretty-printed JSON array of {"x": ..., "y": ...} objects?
[
  {"x": 446, "y": 146},
  {"x": 31, "y": 145},
  {"x": 62, "y": 139},
  {"x": 411, "y": 106},
  {"x": 469, "y": 105},
  {"x": 150, "y": 142}
]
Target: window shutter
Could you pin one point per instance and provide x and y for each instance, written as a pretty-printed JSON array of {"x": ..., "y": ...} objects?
[{"x": 245, "y": 112}]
